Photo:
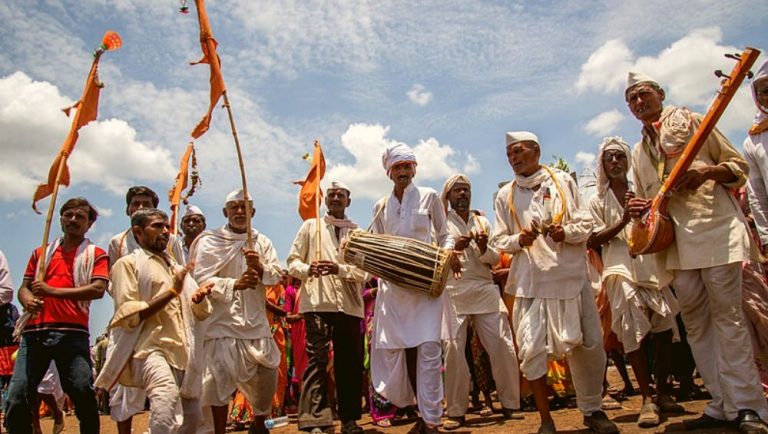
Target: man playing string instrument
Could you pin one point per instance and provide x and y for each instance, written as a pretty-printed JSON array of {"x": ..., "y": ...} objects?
[
  {"x": 475, "y": 297},
  {"x": 406, "y": 356},
  {"x": 711, "y": 242},
  {"x": 640, "y": 299},
  {"x": 240, "y": 352},
  {"x": 332, "y": 304},
  {"x": 540, "y": 221}
]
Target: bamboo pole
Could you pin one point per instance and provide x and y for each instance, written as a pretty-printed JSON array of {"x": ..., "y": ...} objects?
[
  {"x": 248, "y": 207},
  {"x": 49, "y": 218}
]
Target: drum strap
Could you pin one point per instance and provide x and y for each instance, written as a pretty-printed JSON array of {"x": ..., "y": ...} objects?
[
  {"x": 381, "y": 204},
  {"x": 557, "y": 219}
]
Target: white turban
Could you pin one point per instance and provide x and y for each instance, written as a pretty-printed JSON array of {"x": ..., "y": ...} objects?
[
  {"x": 338, "y": 185},
  {"x": 636, "y": 78},
  {"x": 449, "y": 183},
  {"x": 609, "y": 143},
  {"x": 236, "y": 196},
  {"x": 396, "y": 154},
  {"x": 192, "y": 210},
  {"x": 521, "y": 136}
]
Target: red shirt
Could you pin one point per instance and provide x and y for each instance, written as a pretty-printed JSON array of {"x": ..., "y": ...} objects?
[{"x": 60, "y": 313}]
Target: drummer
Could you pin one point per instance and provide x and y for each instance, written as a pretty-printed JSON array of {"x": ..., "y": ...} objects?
[
  {"x": 332, "y": 305},
  {"x": 475, "y": 297},
  {"x": 407, "y": 323},
  {"x": 540, "y": 221}
]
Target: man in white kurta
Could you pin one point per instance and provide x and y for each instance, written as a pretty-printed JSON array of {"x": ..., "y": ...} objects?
[
  {"x": 756, "y": 154},
  {"x": 332, "y": 304},
  {"x": 640, "y": 299},
  {"x": 540, "y": 221},
  {"x": 475, "y": 297},
  {"x": 240, "y": 352},
  {"x": 153, "y": 332},
  {"x": 407, "y": 320},
  {"x": 711, "y": 243}
]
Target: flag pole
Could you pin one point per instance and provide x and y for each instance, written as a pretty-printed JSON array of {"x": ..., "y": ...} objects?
[
  {"x": 248, "y": 207},
  {"x": 318, "y": 243},
  {"x": 49, "y": 218}
]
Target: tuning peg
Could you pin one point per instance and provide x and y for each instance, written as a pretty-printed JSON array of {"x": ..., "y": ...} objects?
[
  {"x": 721, "y": 74},
  {"x": 734, "y": 56}
]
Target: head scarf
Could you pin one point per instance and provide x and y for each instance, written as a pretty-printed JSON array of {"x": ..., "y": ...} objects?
[
  {"x": 636, "y": 78},
  {"x": 760, "y": 123},
  {"x": 396, "y": 154},
  {"x": 192, "y": 210},
  {"x": 236, "y": 196},
  {"x": 609, "y": 143},
  {"x": 449, "y": 183},
  {"x": 521, "y": 136}
]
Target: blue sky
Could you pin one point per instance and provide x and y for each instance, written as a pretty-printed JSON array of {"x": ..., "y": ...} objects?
[{"x": 447, "y": 77}]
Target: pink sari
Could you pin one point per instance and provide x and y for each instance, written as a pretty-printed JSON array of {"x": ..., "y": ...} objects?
[{"x": 298, "y": 337}]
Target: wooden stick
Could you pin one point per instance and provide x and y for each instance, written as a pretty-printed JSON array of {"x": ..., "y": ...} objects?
[
  {"x": 49, "y": 218},
  {"x": 318, "y": 233},
  {"x": 248, "y": 208}
]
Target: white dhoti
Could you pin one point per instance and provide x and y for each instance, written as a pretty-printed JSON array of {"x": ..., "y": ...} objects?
[
  {"x": 126, "y": 402},
  {"x": 710, "y": 301},
  {"x": 496, "y": 336},
  {"x": 161, "y": 383},
  {"x": 637, "y": 311},
  {"x": 51, "y": 385},
  {"x": 389, "y": 373},
  {"x": 569, "y": 328},
  {"x": 247, "y": 365}
]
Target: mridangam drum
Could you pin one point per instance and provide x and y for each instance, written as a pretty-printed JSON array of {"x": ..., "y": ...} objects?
[{"x": 407, "y": 262}]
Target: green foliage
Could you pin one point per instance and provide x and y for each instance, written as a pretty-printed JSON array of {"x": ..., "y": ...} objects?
[{"x": 560, "y": 163}]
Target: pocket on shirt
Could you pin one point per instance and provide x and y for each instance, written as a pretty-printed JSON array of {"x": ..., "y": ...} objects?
[{"x": 420, "y": 220}]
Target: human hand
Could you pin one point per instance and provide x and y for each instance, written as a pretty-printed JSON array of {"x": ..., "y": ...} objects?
[
  {"x": 249, "y": 279},
  {"x": 202, "y": 292},
  {"x": 461, "y": 243},
  {"x": 638, "y": 207},
  {"x": 526, "y": 237},
  {"x": 557, "y": 233}
]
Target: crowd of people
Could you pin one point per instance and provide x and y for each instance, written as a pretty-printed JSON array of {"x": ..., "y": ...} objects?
[{"x": 209, "y": 328}]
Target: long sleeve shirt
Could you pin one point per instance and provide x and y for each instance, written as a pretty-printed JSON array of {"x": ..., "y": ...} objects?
[
  {"x": 545, "y": 269},
  {"x": 709, "y": 226},
  {"x": 475, "y": 292},
  {"x": 331, "y": 293},
  {"x": 757, "y": 187},
  {"x": 406, "y": 318}
]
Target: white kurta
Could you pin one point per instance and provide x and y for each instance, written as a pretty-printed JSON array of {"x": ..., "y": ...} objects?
[
  {"x": 757, "y": 186},
  {"x": 406, "y": 318}
]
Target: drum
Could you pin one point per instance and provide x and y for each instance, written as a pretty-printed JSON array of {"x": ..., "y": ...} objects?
[{"x": 409, "y": 263}]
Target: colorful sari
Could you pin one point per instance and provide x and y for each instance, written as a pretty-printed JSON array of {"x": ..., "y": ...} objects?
[{"x": 275, "y": 296}]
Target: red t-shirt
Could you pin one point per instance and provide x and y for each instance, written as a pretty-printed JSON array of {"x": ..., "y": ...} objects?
[{"x": 61, "y": 313}]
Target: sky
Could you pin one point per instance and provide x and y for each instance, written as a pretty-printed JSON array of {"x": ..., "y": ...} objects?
[{"x": 446, "y": 77}]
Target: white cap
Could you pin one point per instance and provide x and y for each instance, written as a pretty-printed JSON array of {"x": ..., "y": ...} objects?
[
  {"x": 236, "y": 196},
  {"x": 521, "y": 136},
  {"x": 635, "y": 78},
  {"x": 192, "y": 210},
  {"x": 338, "y": 185}
]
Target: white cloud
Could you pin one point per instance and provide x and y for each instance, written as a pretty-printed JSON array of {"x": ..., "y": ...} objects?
[
  {"x": 104, "y": 212},
  {"x": 366, "y": 176},
  {"x": 419, "y": 95},
  {"x": 684, "y": 68},
  {"x": 585, "y": 159},
  {"x": 107, "y": 154},
  {"x": 604, "y": 124}
]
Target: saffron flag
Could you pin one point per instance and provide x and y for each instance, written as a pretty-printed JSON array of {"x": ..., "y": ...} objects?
[
  {"x": 87, "y": 109},
  {"x": 174, "y": 195},
  {"x": 211, "y": 57},
  {"x": 310, "y": 194}
]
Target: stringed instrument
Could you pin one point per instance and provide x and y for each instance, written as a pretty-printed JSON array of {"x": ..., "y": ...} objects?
[{"x": 654, "y": 231}]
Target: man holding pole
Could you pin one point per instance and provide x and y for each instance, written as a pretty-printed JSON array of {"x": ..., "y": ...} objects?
[
  {"x": 75, "y": 272},
  {"x": 240, "y": 352},
  {"x": 332, "y": 306}
]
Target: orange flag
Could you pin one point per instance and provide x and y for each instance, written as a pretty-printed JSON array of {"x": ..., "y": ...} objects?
[
  {"x": 87, "y": 109},
  {"x": 211, "y": 57},
  {"x": 174, "y": 195},
  {"x": 310, "y": 186}
]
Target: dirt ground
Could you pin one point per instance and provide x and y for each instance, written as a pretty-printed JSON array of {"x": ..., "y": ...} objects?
[{"x": 568, "y": 421}]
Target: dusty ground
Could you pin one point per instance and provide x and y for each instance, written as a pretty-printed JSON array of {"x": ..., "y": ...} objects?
[{"x": 568, "y": 421}]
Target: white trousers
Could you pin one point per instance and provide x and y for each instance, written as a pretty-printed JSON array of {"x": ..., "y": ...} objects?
[
  {"x": 496, "y": 336},
  {"x": 389, "y": 373},
  {"x": 710, "y": 302},
  {"x": 161, "y": 383},
  {"x": 570, "y": 328}
]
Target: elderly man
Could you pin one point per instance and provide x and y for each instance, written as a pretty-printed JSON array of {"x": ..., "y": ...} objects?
[
  {"x": 332, "y": 305},
  {"x": 707, "y": 280},
  {"x": 406, "y": 351},
  {"x": 75, "y": 272},
  {"x": 475, "y": 297},
  {"x": 756, "y": 155},
  {"x": 640, "y": 298},
  {"x": 240, "y": 353},
  {"x": 192, "y": 225},
  {"x": 153, "y": 338},
  {"x": 540, "y": 221}
]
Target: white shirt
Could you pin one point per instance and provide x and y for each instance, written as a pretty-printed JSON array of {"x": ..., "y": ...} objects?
[
  {"x": 6, "y": 285},
  {"x": 125, "y": 242},
  {"x": 406, "y": 318},
  {"x": 757, "y": 186}
]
